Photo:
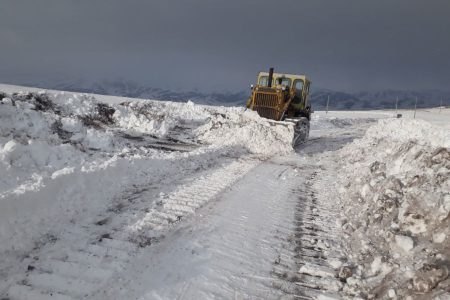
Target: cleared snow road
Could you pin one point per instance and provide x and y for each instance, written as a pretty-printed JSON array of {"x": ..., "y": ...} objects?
[
  {"x": 228, "y": 249},
  {"x": 229, "y": 219},
  {"x": 267, "y": 235},
  {"x": 271, "y": 235}
]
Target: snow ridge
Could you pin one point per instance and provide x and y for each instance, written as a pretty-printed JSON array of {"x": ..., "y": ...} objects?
[{"x": 397, "y": 210}]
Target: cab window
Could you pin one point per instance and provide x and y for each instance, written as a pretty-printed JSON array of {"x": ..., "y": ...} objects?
[
  {"x": 263, "y": 80},
  {"x": 284, "y": 81},
  {"x": 299, "y": 85}
]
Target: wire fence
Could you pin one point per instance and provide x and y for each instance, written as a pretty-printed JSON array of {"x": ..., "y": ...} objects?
[{"x": 398, "y": 105}]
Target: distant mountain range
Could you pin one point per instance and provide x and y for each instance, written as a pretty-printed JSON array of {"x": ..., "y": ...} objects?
[
  {"x": 378, "y": 100},
  {"x": 385, "y": 99},
  {"x": 133, "y": 90}
]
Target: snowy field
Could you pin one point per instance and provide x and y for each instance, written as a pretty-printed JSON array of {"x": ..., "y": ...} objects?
[{"x": 115, "y": 198}]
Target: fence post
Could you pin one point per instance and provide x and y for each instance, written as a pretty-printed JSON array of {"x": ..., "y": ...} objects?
[
  {"x": 328, "y": 102},
  {"x": 415, "y": 108}
]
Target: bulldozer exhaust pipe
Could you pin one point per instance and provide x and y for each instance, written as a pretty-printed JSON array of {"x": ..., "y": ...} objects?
[{"x": 269, "y": 84}]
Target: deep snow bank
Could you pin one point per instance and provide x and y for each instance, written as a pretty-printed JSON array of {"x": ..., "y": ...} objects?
[
  {"x": 49, "y": 135},
  {"x": 63, "y": 155},
  {"x": 396, "y": 201},
  {"x": 216, "y": 127}
]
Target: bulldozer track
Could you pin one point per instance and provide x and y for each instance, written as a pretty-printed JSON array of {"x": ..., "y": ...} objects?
[
  {"x": 63, "y": 270},
  {"x": 245, "y": 246},
  {"x": 311, "y": 247}
]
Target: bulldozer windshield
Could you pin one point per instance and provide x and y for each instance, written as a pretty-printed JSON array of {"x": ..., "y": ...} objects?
[
  {"x": 264, "y": 81},
  {"x": 284, "y": 81},
  {"x": 298, "y": 85}
]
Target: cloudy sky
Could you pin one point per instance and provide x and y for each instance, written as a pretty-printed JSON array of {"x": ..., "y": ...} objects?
[{"x": 347, "y": 45}]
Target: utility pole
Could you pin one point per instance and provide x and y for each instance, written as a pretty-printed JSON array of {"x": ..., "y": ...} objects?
[
  {"x": 415, "y": 108},
  {"x": 440, "y": 107},
  {"x": 328, "y": 102}
]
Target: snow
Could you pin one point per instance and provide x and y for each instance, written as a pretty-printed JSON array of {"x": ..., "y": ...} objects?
[
  {"x": 66, "y": 145},
  {"x": 315, "y": 270},
  {"x": 107, "y": 197},
  {"x": 404, "y": 242},
  {"x": 404, "y": 130},
  {"x": 397, "y": 183},
  {"x": 224, "y": 252},
  {"x": 439, "y": 237}
]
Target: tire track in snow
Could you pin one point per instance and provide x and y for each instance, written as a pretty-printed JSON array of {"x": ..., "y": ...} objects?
[
  {"x": 228, "y": 251},
  {"x": 67, "y": 270},
  {"x": 312, "y": 246},
  {"x": 74, "y": 272},
  {"x": 309, "y": 271},
  {"x": 186, "y": 200}
]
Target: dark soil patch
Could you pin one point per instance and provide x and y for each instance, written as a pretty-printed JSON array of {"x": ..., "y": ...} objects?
[
  {"x": 105, "y": 113},
  {"x": 102, "y": 222},
  {"x": 104, "y": 236},
  {"x": 62, "y": 134},
  {"x": 41, "y": 102},
  {"x": 132, "y": 137},
  {"x": 103, "y": 116},
  {"x": 30, "y": 268},
  {"x": 145, "y": 241}
]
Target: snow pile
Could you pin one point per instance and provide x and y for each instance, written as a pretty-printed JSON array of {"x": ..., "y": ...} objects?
[
  {"x": 396, "y": 203},
  {"x": 217, "y": 127},
  {"x": 44, "y": 133},
  {"x": 403, "y": 130},
  {"x": 246, "y": 127},
  {"x": 62, "y": 154},
  {"x": 32, "y": 142}
]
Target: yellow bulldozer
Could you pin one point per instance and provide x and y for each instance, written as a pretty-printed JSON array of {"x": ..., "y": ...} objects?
[{"x": 283, "y": 97}]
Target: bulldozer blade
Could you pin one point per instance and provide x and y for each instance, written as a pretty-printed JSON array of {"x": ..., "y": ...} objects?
[{"x": 300, "y": 126}]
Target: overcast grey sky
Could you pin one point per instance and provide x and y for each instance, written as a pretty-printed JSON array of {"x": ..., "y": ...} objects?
[{"x": 220, "y": 45}]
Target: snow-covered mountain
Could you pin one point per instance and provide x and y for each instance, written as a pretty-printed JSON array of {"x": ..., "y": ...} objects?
[
  {"x": 133, "y": 90},
  {"x": 384, "y": 99}
]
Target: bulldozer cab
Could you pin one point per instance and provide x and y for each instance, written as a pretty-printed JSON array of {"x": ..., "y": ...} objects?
[
  {"x": 278, "y": 96},
  {"x": 298, "y": 83}
]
